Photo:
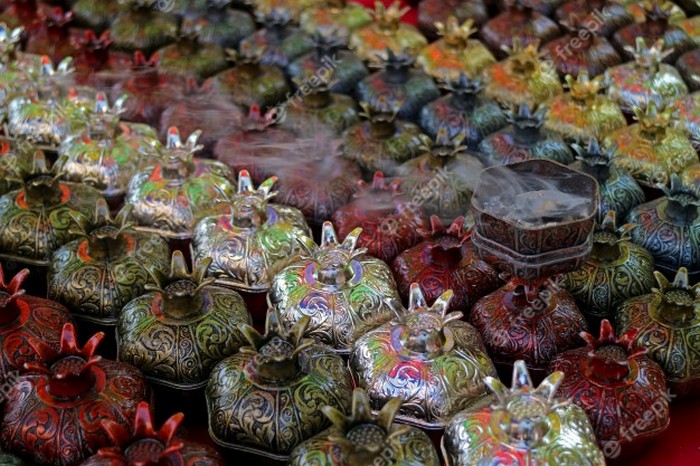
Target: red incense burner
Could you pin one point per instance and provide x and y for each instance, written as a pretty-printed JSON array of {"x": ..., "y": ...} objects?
[
  {"x": 534, "y": 220},
  {"x": 148, "y": 90},
  {"x": 66, "y": 395},
  {"x": 390, "y": 224},
  {"x": 146, "y": 446},
  {"x": 50, "y": 36},
  {"x": 616, "y": 384},
  {"x": 22, "y": 319},
  {"x": 93, "y": 54},
  {"x": 445, "y": 260}
]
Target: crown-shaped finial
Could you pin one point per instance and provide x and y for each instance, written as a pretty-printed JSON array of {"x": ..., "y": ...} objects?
[
  {"x": 648, "y": 57},
  {"x": 379, "y": 184},
  {"x": 103, "y": 225},
  {"x": 256, "y": 120},
  {"x": 394, "y": 62},
  {"x": 177, "y": 155},
  {"x": 680, "y": 300},
  {"x": 362, "y": 433},
  {"x": 524, "y": 60},
  {"x": 582, "y": 87},
  {"x": 276, "y": 353},
  {"x": 380, "y": 110},
  {"x": 463, "y": 85},
  {"x": 388, "y": 18},
  {"x": 178, "y": 282},
  {"x": 103, "y": 117},
  {"x": 55, "y": 17},
  {"x": 10, "y": 291},
  {"x": 191, "y": 29},
  {"x": 68, "y": 368},
  {"x": 9, "y": 40},
  {"x": 247, "y": 55},
  {"x": 455, "y": 34},
  {"x": 326, "y": 43},
  {"x": 676, "y": 191},
  {"x": 249, "y": 204},
  {"x": 654, "y": 119},
  {"x": 156, "y": 452},
  {"x": 524, "y": 117},
  {"x": 608, "y": 233},
  {"x": 609, "y": 355},
  {"x": 526, "y": 407},
  {"x": 425, "y": 326},
  {"x": 443, "y": 146},
  {"x": 657, "y": 11},
  {"x": 437, "y": 228},
  {"x": 594, "y": 154},
  {"x": 273, "y": 16}
]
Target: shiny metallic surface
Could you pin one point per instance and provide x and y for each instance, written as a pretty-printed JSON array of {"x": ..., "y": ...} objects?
[
  {"x": 646, "y": 80},
  {"x": 252, "y": 241},
  {"x": 617, "y": 269},
  {"x": 371, "y": 42},
  {"x": 455, "y": 53},
  {"x": 522, "y": 78},
  {"x": 429, "y": 358},
  {"x": 182, "y": 326},
  {"x": 341, "y": 290},
  {"x": 583, "y": 113},
  {"x": 669, "y": 228},
  {"x": 267, "y": 398},
  {"x": 103, "y": 269},
  {"x": 170, "y": 197},
  {"x": 528, "y": 425},
  {"x": 669, "y": 329},
  {"x": 43, "y": 214},
  {"x": 100, "y": 156},
  {"x": 363, "y": 438}
]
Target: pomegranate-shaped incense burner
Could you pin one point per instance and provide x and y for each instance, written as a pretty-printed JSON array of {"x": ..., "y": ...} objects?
[
  {"x": 390, "y": 223},
  {"x": 653, "y": 148},
  {"x": 445, "y": 260},
  {"x": 455, "y": 53},
  {"x": 43, "y": 214},
  {"x": 617, "y": 269},
  {"x": 283, "y": 374},
  {"x": 399, "y": 82},
  {"x": 522, "y": 78},
  {"x": 25, "y": 318},
  {"x": 69, "y": 392},
  {"x": 464, "y": 109},
  {"x": 141, "y": 26},
  {"x": 429, "y": 358},
  {"x": 646, "y": 79},
  {"x": 381, "y": 143},
  {"x": 96, "y": 274},
  {"x": 365, "y": 438},
  {"x": 387, "y": 32},
  {"x": 668, "y": 227},
  {"x": 143, "y": 444},
  {"x": 527, "y": 425},
  {"x": 518, "y": 22},
  {"x": 431, "y": 12},
  {"x": 607, "y": 15},
  {"x": 254, "y": 240},
  {"x": 583, "y": 113},
  {"x": 593, "y": 53},
  {"x": 616, "y": 384},
  {"x": 169, "y": 331},
  {"x": 343, "y": 291},
  {"x": 524, "y": 139},
  {"x": 336, "y": 17},
  {"x": 170, "y": 197},
  {"x": 619, "y": 192},
  {"x": 668, "y": 324}
]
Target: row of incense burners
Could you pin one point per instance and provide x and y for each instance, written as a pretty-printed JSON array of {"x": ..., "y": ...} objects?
[
  {"x": 338, "y": 264},
  {"x": 424, "y": 366},
  {"x": 651, "y": 150},
  {"x": 522, "y": 78}
]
